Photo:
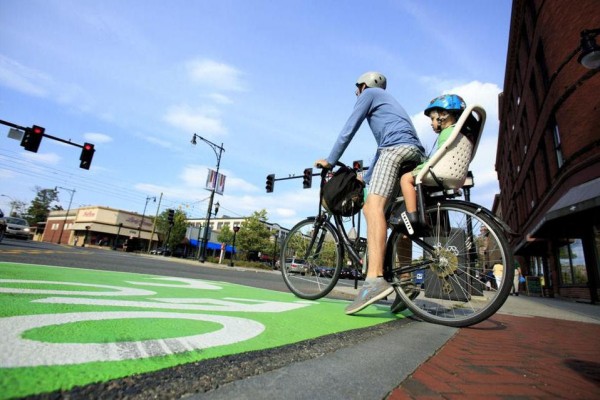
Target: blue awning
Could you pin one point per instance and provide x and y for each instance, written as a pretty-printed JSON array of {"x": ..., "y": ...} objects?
[{"x": 212, "y": 246}]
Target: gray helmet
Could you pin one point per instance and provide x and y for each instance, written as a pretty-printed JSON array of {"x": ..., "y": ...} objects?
[{"x": 372, "y": 79}]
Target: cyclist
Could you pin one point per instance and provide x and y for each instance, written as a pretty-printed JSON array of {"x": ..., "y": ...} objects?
[
  {"x": 397, "y": 141},
  {"x": 444, "y": 112}
]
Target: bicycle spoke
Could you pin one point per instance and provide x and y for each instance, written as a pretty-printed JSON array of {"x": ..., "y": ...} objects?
[
  {"x": 317, "y": 243},
  {"x": 448, "y": 266}
]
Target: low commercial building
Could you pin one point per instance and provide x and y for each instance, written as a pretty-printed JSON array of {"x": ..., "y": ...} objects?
[{"x": 100, "y": 226}]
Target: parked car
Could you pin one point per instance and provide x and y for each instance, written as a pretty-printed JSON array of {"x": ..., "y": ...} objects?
[
  {"x": 326, "y": 272},
  {"x": 295, "y": 265},
  {"x": 161, "y": 251},
  {"x": 17, "y": 228}
]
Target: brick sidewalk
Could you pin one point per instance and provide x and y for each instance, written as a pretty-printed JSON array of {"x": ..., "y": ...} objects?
[{"x": 510, "y": 357}]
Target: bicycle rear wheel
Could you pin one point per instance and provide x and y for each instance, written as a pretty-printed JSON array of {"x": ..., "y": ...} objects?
[
  {"x": 316, "y": 244},
  {"x": 442, "y": 277}
]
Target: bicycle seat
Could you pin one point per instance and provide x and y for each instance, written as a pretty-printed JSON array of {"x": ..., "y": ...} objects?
[{"x": 449, "y": 165}]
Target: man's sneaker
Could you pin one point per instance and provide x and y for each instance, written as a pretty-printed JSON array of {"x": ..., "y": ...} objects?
[
  {"x": 369, "y": 294},
  {"x": 411, "y": 290}
]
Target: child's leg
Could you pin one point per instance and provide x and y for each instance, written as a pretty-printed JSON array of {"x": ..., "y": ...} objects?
[{"x": 407, "y": 184}]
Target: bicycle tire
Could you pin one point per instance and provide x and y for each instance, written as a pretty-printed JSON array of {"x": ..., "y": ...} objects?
[
  {"x": 447, "y": 265},
  {"x": 318, "y": 244}
]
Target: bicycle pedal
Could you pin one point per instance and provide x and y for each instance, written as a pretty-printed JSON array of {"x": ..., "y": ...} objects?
[{"x": 409, "y": 227}]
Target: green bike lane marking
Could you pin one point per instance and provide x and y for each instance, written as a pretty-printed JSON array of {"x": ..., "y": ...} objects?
[{"x": 64, "y": 327}]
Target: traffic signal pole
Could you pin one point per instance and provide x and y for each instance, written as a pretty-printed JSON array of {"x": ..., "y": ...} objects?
[{"x": 86, "y": 147}]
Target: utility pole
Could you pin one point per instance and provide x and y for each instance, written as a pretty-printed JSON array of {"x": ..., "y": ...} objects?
[
  {"x": 154, "y": 224},
  {"x": 62, "y": 228}
]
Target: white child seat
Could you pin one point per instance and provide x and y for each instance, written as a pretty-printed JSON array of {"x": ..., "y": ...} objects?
[{"x": 449, "y": 165}]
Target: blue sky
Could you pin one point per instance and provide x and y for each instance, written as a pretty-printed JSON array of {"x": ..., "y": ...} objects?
[{"x": 273, "y": 81}]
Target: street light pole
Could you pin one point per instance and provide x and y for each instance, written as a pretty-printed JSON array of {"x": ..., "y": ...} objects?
[
  {"x": 144, "y": 215},
  {"x": 218, "y": 154},
  {"x": 62, "y": 228},
  {"x": 12, "y": 204}
]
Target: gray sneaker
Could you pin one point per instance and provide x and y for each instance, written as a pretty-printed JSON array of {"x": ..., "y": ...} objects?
[
  {"x": 369, "y": 294},
  {"x": 411, "y": 290}
]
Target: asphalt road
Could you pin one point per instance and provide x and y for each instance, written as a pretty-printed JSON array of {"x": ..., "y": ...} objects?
[{"x": 361, "y": 364}]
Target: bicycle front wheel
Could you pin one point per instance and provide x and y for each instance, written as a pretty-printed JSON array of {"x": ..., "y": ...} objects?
[
  {"x": 311, "y": 259},
  {"x": 457, "y": 275}
]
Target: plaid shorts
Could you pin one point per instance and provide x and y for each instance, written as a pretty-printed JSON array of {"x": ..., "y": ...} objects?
[{"x": 386, "y": 173}]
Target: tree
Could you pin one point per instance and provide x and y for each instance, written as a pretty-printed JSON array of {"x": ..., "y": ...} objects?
[
  {"x": 226, "y": 235},
  {"x": 254, "y": 234},
  {"x": 40, "y": 206},
  {"x": 177, "y": 231}
]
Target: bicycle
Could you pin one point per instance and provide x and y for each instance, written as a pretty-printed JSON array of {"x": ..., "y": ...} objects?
[{"x": 438, "y": 274}]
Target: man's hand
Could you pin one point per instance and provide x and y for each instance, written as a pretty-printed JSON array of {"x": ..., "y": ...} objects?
[{"x": 322, "y": 164}]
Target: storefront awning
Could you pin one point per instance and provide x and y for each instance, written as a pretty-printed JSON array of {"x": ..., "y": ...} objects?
[
  {"x": 211, "y": 245},
  {"x": 111, "y": 229},
  {"x": 571, "y": 212}
]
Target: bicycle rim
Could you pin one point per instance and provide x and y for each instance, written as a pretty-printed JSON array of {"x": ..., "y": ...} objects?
[
  {"x": 318, "y": 245},
  {"x": 442, "y": 277}
]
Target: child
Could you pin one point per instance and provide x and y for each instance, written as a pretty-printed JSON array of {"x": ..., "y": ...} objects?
[{"x": 444, "y": 111}]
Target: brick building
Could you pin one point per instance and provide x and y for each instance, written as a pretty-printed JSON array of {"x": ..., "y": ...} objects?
[{"x": 548, "y": 159}]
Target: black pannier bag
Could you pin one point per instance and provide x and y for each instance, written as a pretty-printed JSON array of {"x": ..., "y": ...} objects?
[{"x": 343, "y": 193}]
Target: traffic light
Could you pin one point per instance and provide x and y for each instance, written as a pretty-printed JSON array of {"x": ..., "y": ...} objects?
[
  {"x": 87, "y": 153},
  {"x": 32, "y": 138},
  {"x": 270, "y": 183},
  {"x": 357, "y": 165},
  {"x": 171, "y": 216},
  {"x": 307, "y": 178}
]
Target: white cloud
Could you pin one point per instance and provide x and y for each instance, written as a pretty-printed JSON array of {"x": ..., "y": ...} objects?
[
  {"x": 215, "y": 75},
  {"x": 97, "y": 137},
  {"x": 23, "y": 79},
  {"x": 43, "y": 158},
  {"x": 201, "y": 120},
  {"x": 220, "y": 98}
]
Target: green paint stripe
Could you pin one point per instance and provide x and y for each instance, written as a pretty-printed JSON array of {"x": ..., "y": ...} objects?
[{"x": 320, "y": 318}]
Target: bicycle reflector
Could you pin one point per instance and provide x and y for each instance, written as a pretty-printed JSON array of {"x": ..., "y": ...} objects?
[
  {"x": 32, "y": 138},
  {"x": 87, "y": 153},
  {"x": 270, "y": 183}
]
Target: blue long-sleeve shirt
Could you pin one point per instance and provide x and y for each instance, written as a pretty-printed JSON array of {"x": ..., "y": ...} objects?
[{"x": 389, "y": 122}]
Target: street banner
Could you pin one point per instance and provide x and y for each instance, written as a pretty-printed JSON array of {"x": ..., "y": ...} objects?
[{"x": 215, "y": 181}]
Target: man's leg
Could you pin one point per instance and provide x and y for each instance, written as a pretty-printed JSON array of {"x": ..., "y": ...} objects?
[
  {"x": 376, "y": 233},
  {"x": 375, "y": 287}
]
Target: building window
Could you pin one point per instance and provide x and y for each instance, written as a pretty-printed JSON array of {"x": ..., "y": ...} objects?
[
  {"x": 54, "y": 227},
  {"x": 572, "y": 263},
  {"x": 557, "y": 147}
]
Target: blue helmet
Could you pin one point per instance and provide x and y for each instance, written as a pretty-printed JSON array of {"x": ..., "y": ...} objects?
[{"x": 449, "y": 102}]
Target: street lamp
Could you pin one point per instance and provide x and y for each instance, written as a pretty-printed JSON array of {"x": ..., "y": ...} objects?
[
  {"x": 144, "y": 215},
  {"x": 590, "y": 51},
  {"x": 218, "y": 154},
  {"x": 12, "y": 204},
  {"x": 62, "y": 228},
  {"x": 217, "y": 205},
  {"x": 235, "y": 231}
]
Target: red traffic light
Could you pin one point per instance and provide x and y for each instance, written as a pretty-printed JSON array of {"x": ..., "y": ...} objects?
[
  {"x": 87, "y": 153},
  {"x": 32, "y": 138}
]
